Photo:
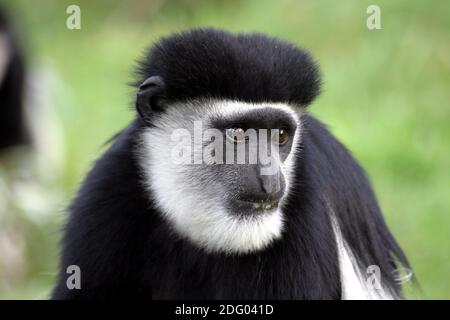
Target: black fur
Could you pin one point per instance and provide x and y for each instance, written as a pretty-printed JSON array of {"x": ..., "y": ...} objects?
[
  {"x": 246, "y": 67},
  {"x": 12, "y": 124},
  {"x": 125, "y": 250}
]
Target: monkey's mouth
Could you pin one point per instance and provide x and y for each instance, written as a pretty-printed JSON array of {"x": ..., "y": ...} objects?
[
  {"x": 260, "y": 206},
  {"x": 265, "y": 205}
]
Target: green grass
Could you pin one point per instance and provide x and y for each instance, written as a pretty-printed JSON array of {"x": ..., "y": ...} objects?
[{"x": 385, "y": 96}]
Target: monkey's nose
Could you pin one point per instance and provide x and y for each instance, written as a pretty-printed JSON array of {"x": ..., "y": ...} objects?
[
  {"x": 258, "y": 187},
  {"x": 272, "y": 186}
]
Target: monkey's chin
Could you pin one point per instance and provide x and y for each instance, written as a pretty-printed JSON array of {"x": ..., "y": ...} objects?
[
  {"x": 245, "y": 232},
  {"x": 229, "y": 232}
]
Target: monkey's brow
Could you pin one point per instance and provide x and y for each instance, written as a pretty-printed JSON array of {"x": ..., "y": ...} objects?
[{"x": 267, "y": 118}]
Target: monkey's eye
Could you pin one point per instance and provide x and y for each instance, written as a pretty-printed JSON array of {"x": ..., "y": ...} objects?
[
  {"x": 236, "y": 135},
  {"x": 282, "y": 137}
]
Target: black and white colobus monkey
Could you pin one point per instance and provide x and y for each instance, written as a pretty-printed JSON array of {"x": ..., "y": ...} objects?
[
  {"x": 145, "y": 226},
  {"x": 12, "y": 78}
]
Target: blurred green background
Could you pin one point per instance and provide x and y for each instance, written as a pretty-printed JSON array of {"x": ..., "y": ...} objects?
[{"x": 385, "y": 95}]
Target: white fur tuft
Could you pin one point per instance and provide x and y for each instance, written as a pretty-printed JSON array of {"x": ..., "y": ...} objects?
[{"x": 354, "y": 285}]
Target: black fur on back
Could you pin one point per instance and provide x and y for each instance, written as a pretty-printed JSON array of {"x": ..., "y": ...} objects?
[
  {"x": 125, "y": 249},
  {"x": 245, "y": 67}
]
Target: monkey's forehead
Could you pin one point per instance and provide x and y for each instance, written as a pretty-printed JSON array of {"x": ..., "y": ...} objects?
[
  {"x": 209, "y": 63},
  {"x": 215, "y": 113}
]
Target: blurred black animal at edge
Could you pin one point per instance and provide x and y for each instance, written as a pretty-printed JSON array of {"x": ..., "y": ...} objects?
[{"x": 13, "y": 130}]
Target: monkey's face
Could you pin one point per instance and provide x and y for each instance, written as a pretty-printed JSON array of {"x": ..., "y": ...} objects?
[{"x": 220, "y": 170}]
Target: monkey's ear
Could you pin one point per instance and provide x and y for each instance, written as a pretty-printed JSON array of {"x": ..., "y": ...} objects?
[{"x": 150, "y": 96}]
